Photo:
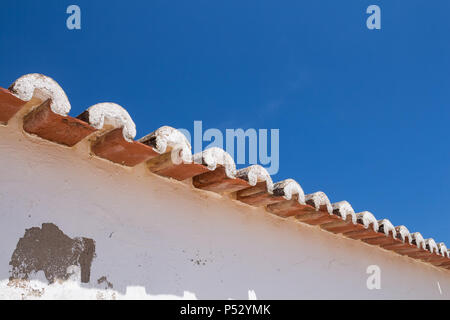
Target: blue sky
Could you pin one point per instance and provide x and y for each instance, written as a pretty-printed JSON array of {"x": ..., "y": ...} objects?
[{"x": 363, "y": 114}]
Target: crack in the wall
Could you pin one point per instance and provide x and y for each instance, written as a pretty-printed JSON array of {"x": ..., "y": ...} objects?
[{"x": 49, "y": 250}]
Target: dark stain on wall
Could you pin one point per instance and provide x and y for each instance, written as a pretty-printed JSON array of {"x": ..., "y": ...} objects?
[
  {"x": 50, "y": 250},
  {"x": 105, "y": 281}
]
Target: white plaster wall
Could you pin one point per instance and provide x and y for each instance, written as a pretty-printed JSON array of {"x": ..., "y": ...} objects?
[{"x": 150, "y": 232}]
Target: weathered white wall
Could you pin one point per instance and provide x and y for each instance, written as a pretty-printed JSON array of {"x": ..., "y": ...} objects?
[{"x": 157, "y": 238}]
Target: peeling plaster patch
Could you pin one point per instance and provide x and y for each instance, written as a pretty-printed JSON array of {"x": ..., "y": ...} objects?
[
  {"x": 49, "y": 250},
  {"x": 36, "y": 289},
  {"x": 104, "y": 280}
]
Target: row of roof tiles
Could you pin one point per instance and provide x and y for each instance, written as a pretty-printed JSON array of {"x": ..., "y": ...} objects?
[{"x": 44, "y": 107}]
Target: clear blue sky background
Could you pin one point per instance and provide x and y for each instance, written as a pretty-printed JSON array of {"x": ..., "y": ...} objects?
[{"x": 363, "y": 115}]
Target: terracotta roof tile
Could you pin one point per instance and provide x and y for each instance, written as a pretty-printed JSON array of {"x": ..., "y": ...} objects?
[
  {"x": 43, "y": 122},
  {"x": 259, "y": 195},
  {"x": 114, "y": 147}
]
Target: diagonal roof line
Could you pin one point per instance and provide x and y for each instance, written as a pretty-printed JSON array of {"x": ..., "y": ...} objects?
[{"x": 44, "y": 108}]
